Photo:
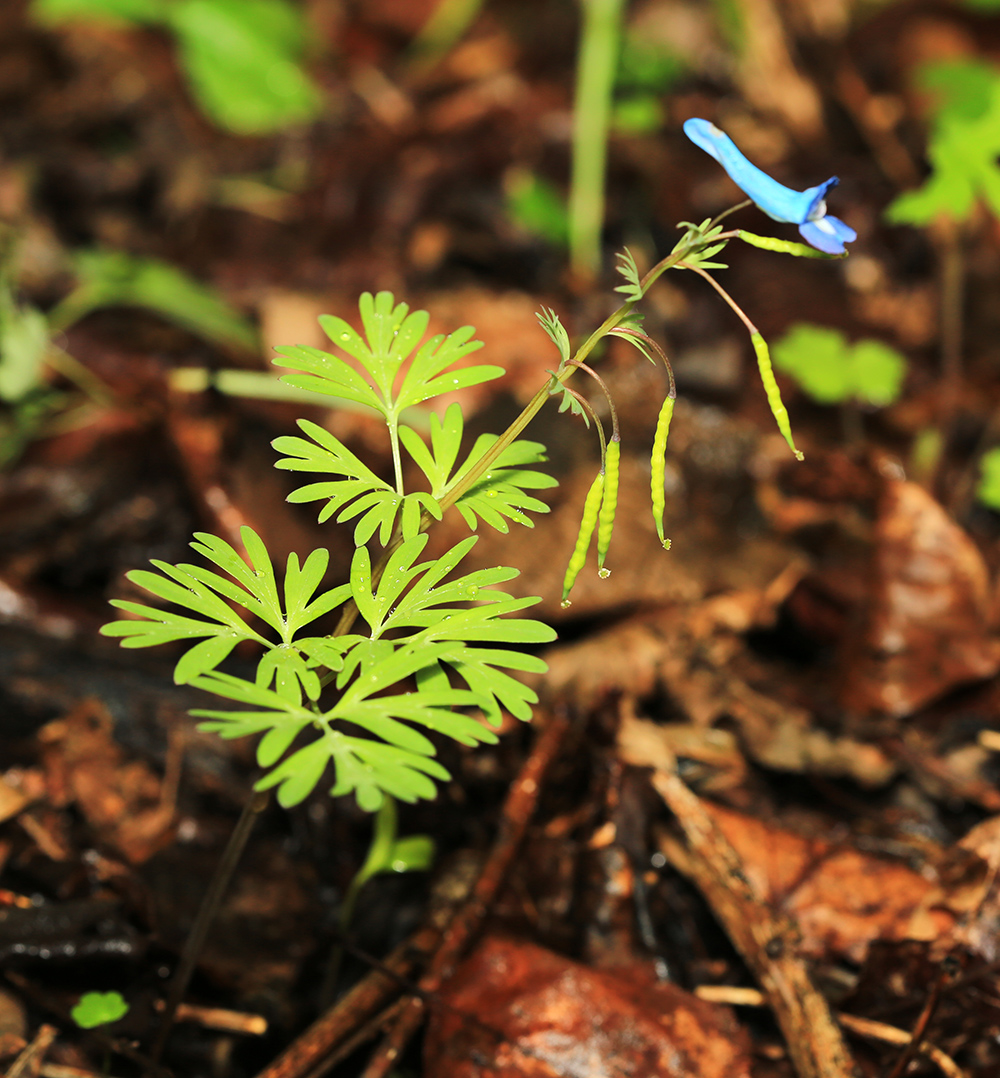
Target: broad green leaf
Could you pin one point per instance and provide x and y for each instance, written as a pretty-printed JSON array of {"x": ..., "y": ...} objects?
[
  {"x": 878, "y": 372},
  {"x": 243, "y": 59}
]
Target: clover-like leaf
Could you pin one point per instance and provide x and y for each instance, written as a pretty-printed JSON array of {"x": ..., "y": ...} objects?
[{"x": 830, "y": 370}]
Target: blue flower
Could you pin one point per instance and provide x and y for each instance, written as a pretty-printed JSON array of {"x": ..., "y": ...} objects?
[{"x": 807, "y": 209}]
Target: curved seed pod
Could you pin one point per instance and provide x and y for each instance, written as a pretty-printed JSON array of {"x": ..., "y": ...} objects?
[
  {"x": 609, "y": 504},
  {"x": 788, "y": 247},
  {"x": 778, "y": 410},
  {"x": 658, "y": 467},
  {"x": 587, "y": 524}
]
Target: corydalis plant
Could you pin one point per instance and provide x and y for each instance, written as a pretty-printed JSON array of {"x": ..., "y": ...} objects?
[
  {"x": 345, "y": 699},
  {"x": 434, "y": 647}
]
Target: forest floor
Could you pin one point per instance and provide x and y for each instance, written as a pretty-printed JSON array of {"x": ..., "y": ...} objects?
[{"x": 816, "y": 656}]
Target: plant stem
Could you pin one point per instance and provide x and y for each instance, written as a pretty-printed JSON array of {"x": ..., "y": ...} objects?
[
  {"x": 397, "y": 463},
  {"x": 595, "y": 77},
  {"x": 530, "y": 410},
  {"x": 383, "y": 839},
  {"x": 224, "y": 870}
]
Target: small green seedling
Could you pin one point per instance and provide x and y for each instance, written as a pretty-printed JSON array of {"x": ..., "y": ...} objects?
[
  {"x": 963, "y": 145},
  {"x": 242, "y": 58},
  {"x": 99, "y": 1009},
  {"x": 988, "y": 487},
  {"x": 536, "y": 205},
  {"x": 104, "y": 278},
  {"x": 646, "y": 70},
  {"x": 832, "y": 371}
]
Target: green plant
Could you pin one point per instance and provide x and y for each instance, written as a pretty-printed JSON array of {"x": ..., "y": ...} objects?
[
  {"x": 448, "y": 635},
  {"x": 963, "y": 145},
  {"x": 418, "y": 645},
  {"x": 597, "y": 59},
  {"x": 99, "y": 1009},
  {"x": 28, "y": 337},
  {"x": 988, "y": 487},
  {"x": 832, "y": 371},
  {"x": 242, "y": 58}
]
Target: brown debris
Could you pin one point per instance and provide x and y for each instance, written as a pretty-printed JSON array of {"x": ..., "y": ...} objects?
[
  {"x": 927, "y": 628},
  {"x": 516, "y": 1010},
  {"x": 128, "y": 806}
]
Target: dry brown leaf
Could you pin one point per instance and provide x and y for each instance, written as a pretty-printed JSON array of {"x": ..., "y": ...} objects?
[
  {"x": 515, "y": 1010},
  {"x": 124, "y": 801},
  {"x": 927, "y": 626},
  {"x": 841, "y": 897}
]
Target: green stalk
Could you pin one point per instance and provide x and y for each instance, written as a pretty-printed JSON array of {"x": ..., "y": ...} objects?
[{"x": 595, "y": 79}]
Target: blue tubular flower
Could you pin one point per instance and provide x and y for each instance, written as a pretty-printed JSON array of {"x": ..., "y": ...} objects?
[{"x": 807, "y": 209}]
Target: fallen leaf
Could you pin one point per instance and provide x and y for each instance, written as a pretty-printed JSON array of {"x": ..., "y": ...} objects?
[{"x": 515, "y": 1010}]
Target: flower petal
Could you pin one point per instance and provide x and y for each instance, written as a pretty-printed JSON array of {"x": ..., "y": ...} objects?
[
  {"x": 828, "y": 234},
  {"x": 779, "y": 202}
]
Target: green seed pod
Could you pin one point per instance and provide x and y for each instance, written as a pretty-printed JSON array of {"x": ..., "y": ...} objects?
[
  {"x": 778, "y": 410},
  {"x": 788, "y": 247},
  {"x": 606, "y": 518},
  {"x": 658, "y": 467},
  {"x": 587, "y": 524}
]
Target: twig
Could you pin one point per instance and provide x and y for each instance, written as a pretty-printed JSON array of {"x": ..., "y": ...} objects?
[
  {"x": 355, "y": 1009},
  {"x": 29, "y": 1062},
  {"x": 766, "y": 942},
  {"x": 863, "y": 1027},
  {"x": 517, "y": 813},
  {"x": 193, "y": 945}
]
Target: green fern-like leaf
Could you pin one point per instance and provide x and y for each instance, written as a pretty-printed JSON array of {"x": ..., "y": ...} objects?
[
  {"x": 549, "y": 321},
  {"x": 217, "y": 627},
  {"x": 627, "y": 267},
  {"x": 391, "y": 336},
  {"x": 356, "y": 492}
]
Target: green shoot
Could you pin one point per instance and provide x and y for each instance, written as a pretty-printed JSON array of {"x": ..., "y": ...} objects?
[{"x": 596, "y": 63}]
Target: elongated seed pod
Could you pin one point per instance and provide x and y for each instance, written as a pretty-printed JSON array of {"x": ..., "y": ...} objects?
[
  {"x": 587, "y": 524},
  {"x": 778, "y": 410},
  {"x": 609, "y": 504},
  {"x": 787, "y": 247},
  {"x": 658, "y": 467}
]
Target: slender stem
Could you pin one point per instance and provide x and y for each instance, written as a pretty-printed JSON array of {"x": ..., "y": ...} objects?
[
  {"x": 397, "y": 463},
  {"x": 722, "y": 292},
  {"x": 528, "y": 413},
  {"x": 732, "y": 209},
  {"x": 595, "y": 76},
  {"x": 384, "y": 831},
  {"x": 607, "y": 393},
  {"x": 254, "y": 806}
]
